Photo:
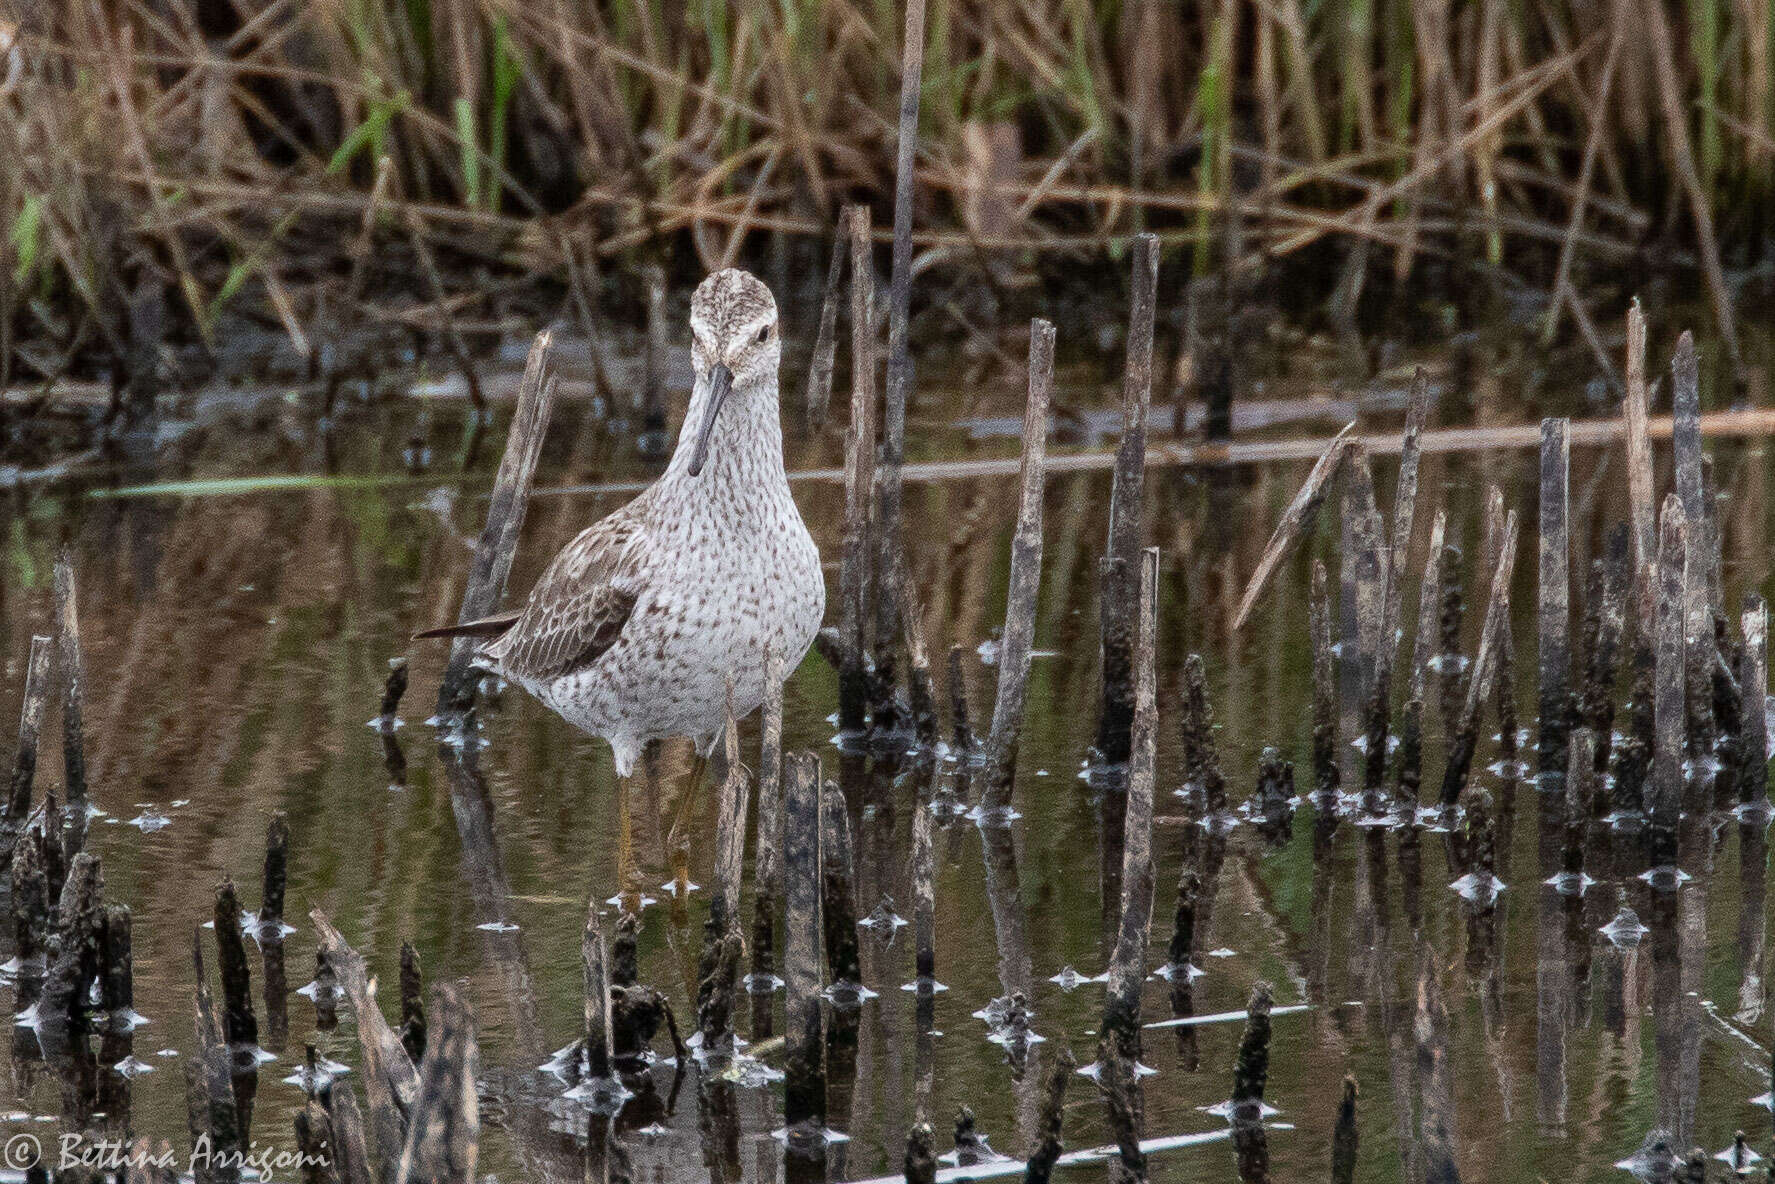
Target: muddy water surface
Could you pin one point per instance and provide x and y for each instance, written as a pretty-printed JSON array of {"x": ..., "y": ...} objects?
[{"x": 236, "y": 642}]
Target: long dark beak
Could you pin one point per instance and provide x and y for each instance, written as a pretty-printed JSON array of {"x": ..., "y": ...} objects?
[{"x": 720, "y": 383}]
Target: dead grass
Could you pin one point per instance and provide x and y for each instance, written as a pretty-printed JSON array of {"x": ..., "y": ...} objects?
[{"x": 237, "y": 152}]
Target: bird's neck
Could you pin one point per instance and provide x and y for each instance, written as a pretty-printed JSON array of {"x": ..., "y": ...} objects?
[{"x": 747, "y": 447}]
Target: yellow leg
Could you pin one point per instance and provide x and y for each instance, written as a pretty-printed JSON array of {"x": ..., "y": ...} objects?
[
  {"x": 679, "y": 840},
  {"x": 627, "y": 873}
]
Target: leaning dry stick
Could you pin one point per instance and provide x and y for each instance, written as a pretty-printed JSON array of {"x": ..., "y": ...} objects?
[
  {"x": 505, "y": 518},
  {"x": 1296, "y": 519},
  {"x": 390, "y": 1082}
]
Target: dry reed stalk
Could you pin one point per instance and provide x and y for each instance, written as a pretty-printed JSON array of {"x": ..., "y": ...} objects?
[
  {"x": 1676, "y": 130},
  {"x": 595, "y": 968},
  {"x": 1664, "y": 790},
  {"x": 1563, "y": 292},
  {"x": 73, "y": 670},
  {"x": 1127, "y": 506},
  {"x": 38, "y": 674},
  {"x": 1326, "y": 774},
  {"x": 1405, "y": 508},
  {"x": 1119, "y": 1044},
  {"x": 1429, "y": 607},
  {"x": 1025, "y": 579},
  {"x": 1639, "y": 465},
  {"x": 1554, "y": 607},
  {"x": 888, "y": 561},
  {"x": 790, "y": 111},
  {"x": 855, "y": 586},
  {"x": 1465, "y": 738}
]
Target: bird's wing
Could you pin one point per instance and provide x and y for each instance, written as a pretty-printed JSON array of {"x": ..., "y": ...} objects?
[{"x": 578, "y": 608}]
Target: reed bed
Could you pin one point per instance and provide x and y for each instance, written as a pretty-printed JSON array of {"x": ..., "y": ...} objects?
[{"x": 422, "y": 164}]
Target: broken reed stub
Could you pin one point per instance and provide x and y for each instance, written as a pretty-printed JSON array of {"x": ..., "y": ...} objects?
[
  {"x": 1429, "y": 590},
  {"x": 920, "y": 1166},
  {"x": 1251, "y": 1070},
  {"x": 394, "y": 687},
  {"x": 1344, "y": 1138},
  {"x": 240, "y": 1024},
  {"x": 730, "y": 834},
  {"x": 838, "y": 908},
  {"x": 1127, "y": 486},
  {"x": 77, "y": 936},
  {"x": 1326, "y": 772},
  {"x": 73, "y": 668},
  {"x": 1665, "y": 786},
  {"x": 276, "y": 877},
  {"x": 1465, "y": 739},
  {"x": 1686, "y": 456},
  {"x": 38, "y": 676},
  {"x": 1753, "y": 682},
  {"x": 595, "y": 967},
  {"x": 1040, "y": 1167}
]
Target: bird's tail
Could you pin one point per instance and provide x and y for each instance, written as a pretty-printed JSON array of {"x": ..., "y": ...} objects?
[{"x": 485, "y": 627}]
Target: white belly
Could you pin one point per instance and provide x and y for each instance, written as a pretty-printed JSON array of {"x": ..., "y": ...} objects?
[{"x": 697, "y": 626}]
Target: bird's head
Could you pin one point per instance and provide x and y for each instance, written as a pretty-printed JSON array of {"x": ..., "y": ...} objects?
[{"x": 734, "y": 345}]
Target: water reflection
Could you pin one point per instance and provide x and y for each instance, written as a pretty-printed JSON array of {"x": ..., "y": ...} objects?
[{"x": 236, "y": 647}]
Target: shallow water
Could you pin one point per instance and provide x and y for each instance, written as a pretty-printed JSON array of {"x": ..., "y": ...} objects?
[{"x": 236, "y": 643}]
